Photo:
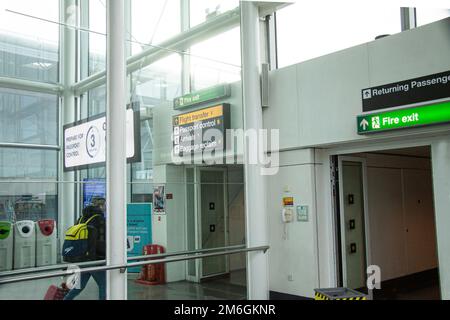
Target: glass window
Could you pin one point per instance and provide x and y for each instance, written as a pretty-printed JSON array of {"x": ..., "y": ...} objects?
[
  {"x": 28, "y": 163},
  {"x": 429, "y": 15},
  {"x": 216, "y": 60},
  {"x": 97, "y": 101},
  {"x": 143, "y": 171},
  {"x": 201, "y": 10},
  {"x": 153, "y": 22},
  {"x": 28, "y": 201},
  {"x": 154, "y": 88},
  {"x": 28, "y": 117},
  {"x": 29, "y": 45},
  {"x": 97, "y": 36},
  {"x": 306, "y": 30},
  {"x": 157, "y": 83}
]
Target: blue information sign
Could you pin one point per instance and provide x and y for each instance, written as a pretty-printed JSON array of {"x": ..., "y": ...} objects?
[{"x": 139, "y": 230}]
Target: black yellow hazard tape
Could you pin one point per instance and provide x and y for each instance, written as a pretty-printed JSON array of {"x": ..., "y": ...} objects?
[{"x": 320, "y": 296}]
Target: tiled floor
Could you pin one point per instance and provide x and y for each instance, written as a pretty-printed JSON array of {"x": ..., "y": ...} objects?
[{"x": 230, "y": 288}]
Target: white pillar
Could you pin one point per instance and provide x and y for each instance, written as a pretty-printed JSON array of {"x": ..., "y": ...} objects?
[
  {"x": 440, "y": 155},
  {"x": 115, "y": 148},
  {"x": 256, "y": 215},
  {"x": 67, "y": 190}
]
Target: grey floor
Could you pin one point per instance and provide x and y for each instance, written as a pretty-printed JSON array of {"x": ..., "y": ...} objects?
[{"x": 232, "y": 287}]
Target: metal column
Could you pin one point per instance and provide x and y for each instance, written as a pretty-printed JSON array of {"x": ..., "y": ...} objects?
[
  {"x": 185, "y": 58},
  {"x": 256, "y": 217},
  {"x": 408, "y": 18},
  {"x": 116, "y": 149},
  {"x": 67, "y": 197}
]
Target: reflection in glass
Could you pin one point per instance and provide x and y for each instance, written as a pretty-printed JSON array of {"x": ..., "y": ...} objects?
[
  {"x": 29, "y": 46},
  {"x": 28, "y": 163},
  {"x": 28, "y": 201},
  {"x": 153, "y": 22},
  {"x": 28, "y": 117},
  {"x": 216, "y": 60},
  {"x": 97, "y": 38},
  {"x": 201, "y": 10}
]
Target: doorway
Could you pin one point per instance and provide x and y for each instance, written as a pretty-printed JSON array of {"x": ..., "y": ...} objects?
[
  {"x": 385, "y": 217},
  {"x": 353, "y": 222},
  {"x": 207, "y": 220}
]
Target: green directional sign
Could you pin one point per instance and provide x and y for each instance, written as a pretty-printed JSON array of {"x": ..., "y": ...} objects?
[
  {"x": 202, "y": 96},
  {"x": 404, "y": 118}
]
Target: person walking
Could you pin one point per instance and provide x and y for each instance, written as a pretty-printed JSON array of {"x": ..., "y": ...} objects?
[{"x": 94, "y": 217}]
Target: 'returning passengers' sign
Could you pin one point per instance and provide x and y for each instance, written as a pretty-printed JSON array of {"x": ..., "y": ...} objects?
[
  {"x": 200, "y": 130},
  {"x": 423, "y": 89}
]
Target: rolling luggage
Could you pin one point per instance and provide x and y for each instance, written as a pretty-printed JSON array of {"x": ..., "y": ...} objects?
[{"x": 56, "y": 293}]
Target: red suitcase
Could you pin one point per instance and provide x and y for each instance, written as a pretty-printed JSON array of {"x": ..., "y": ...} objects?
[{"x": 56, "y": 293}]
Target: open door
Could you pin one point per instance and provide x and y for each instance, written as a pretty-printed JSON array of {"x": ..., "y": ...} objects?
[{"x": 353, "y": 222}]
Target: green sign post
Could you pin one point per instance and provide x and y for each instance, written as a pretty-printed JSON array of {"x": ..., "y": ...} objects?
[
  {"x": 202, "y": 96},
  {"x": 404, "y": 118}
]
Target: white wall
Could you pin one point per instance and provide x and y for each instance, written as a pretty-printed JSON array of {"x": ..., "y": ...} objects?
[
  {"x": 169, "y": 230},
  {"x": 296, "y": 256},
  {"x": 316, "y": 102},
  {"x": 401, "y": 215},
  {"x": 176, "y": 220}
]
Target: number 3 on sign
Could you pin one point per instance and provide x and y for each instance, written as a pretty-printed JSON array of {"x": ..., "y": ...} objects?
[{"x": 92, "y": 147}]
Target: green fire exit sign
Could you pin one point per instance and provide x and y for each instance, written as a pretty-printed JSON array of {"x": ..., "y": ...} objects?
[
  {"x": 202, "y": 96},
  {"x": 404, "y": 118}
]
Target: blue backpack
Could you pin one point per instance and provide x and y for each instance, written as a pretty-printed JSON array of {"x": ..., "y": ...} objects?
[{"x": 80, "y": 242}]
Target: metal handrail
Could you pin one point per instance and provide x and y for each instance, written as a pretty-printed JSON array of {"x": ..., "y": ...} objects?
[
  {"x": 49, "y": 268},
  {"x": 99, "y": 262},
  {"x": 179, "y": 253},
  {"x": 123, "y": 267}
]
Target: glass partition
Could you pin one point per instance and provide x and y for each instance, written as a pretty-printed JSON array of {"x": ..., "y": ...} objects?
[
  {"x": 184, "y": 207},
  {"x": 153, "y": 22},
  {"x": 97, "y": 36},
  {"x": 201, "y": 11},
  {"x": 216, "y": 60},
  {"x": 28, "y": 117},
  {"x": 47, "y": 197},
  {"x": 29, "y": 44}
]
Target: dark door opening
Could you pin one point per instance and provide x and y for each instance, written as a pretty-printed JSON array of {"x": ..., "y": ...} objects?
[{"x": 385, "y": 218}]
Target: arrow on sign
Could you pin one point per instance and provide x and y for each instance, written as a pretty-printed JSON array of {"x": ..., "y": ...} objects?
[{"x": 364, "y": 124}]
